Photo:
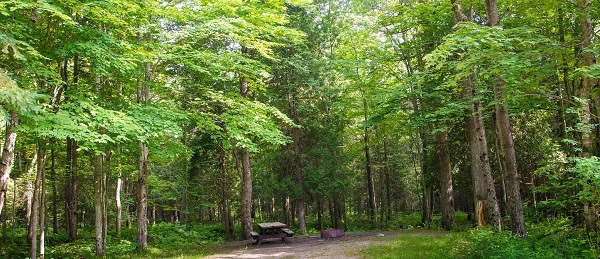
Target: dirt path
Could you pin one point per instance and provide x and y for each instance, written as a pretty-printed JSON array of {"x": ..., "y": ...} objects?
[{"x": 348, "y": 246}]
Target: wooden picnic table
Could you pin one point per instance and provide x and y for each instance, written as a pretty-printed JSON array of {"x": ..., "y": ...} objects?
[{"x": 271, "y": 230}]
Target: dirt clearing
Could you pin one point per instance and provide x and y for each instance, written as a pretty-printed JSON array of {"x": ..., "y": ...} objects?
[{"x": 348, "y": 246}]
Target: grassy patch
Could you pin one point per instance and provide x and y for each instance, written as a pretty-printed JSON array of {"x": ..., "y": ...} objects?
[
  {"x": 417, "y": 244},
  {"x": 165, "y": 240}
]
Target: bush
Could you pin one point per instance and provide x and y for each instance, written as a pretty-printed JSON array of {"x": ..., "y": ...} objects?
[
  {"x": 550, "y": 239},
  {"x": 164, "y": 240}
]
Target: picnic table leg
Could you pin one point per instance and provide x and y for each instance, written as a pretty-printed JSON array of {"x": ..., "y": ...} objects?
[{"x": 284, "y": 240}]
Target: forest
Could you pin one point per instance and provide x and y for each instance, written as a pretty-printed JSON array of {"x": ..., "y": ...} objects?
[{"x": 170, "y": 128}]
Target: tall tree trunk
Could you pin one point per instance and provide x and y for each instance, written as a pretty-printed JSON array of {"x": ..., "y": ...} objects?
[
  {"x": 369, "y": 175},
  {"x": 487, "y": 209},
  {"x": 565, "y": 74},
  {"x": 43, "y": 214},
  {"x": 71, "y": 191},
  {"x": 514, "y": 205},
  {"x": 127, "y": 208},
  {"x": 298, "y": 166},
  {"x": 67, "y": 189},
  {"x": 587, "y": 59},
  {"x": 227, "y": 221},
  {"x": 426, "y": 198},
  {"x": 71, "y": 203},
  {"x": 118, "y": 205},
  {"x": 388, "y": 197},
  {"x": 106, "y": 166},
  {"x": 35, "y": 206},
  {"x": 246, "y": 172},
  {"x": 31, "y": 173},
  {"x": 446, "y": 190},
  {"x": 142, "y": 208},
  {"x": 142, "y": 220},
  {"x": 492, "y": 210},
  {"x": 54, "y": 194},
  {"x": 99, "y": 204},
  {"x": 8, "y": 155}
]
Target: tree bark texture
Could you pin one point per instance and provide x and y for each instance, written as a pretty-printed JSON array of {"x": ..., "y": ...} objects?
[
  {"x": 487, "y": 209},
  {"x": 587, "y": 59},
  {"x": 118, "y": 205},
  {"x": 426, "y": 194},
  {"x": 446, "y": 189},
  {"x": 142, "y": 220},
  {"x": 8, "y": 155},
  {"x": 99, "y": 205},
  {"x": 54, "y": 194},
  {"x": 71, "y": 189},
  {"x": 514, "y": 205},
  {"x": 246, "y": 172},
  {"x": 227, "y": 220},
  {"x": 43, "y": 215},
  {"x": 35, "y": 206}
]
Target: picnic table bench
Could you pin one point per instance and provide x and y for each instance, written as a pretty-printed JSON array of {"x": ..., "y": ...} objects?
[{"x": 271, "y": 230}]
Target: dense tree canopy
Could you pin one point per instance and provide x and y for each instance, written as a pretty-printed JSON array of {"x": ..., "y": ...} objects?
[{"x": 319, "y": 114}]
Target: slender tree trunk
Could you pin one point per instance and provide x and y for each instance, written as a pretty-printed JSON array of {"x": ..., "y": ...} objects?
[
  {"x": 106, "y": 171},
  {"x": 446, "y": 190},
  {"x": 35, "y": 206},
  {"x": 286, "y": 211},
  {"x": 246, "y": 172},
  {"x": 71, "y": 187},
  {"x": 587, "y": 59},
  {"x": 369, "y": 175},
  {"x": 8, "y": 155},
  {"x": 99, "y": 204},
  {"x": 54, "y": 194},
  {"x": 19, "y": 158},
  {"x": 43, "y": 215},
  {"x": 67, "y": 189},
  {"x": 227, "y": 221},
  {"x": 426, "y": 199},
  {"x": 565, "y": 73},
  {"x": 388, "y": 196},
  {"x": 142, "y": 220},
  {"x": 72, "y": 190},
  {"x": 118, "y": 204},
  {"x": 31, "y": 174},
  {"x": 298, "y": 166},
  {"x": 127, "y": 209}
]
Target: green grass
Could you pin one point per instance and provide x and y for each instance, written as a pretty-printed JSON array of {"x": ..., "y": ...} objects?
[
  {"x": 417, "y": 244},
  {"x": 165, "y": 240}
]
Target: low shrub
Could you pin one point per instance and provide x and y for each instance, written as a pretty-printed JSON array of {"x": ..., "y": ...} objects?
[{"x": 556, "y": 238}]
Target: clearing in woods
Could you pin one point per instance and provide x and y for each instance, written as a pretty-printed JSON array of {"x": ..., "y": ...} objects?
[{"x": 393, "y": 244}]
